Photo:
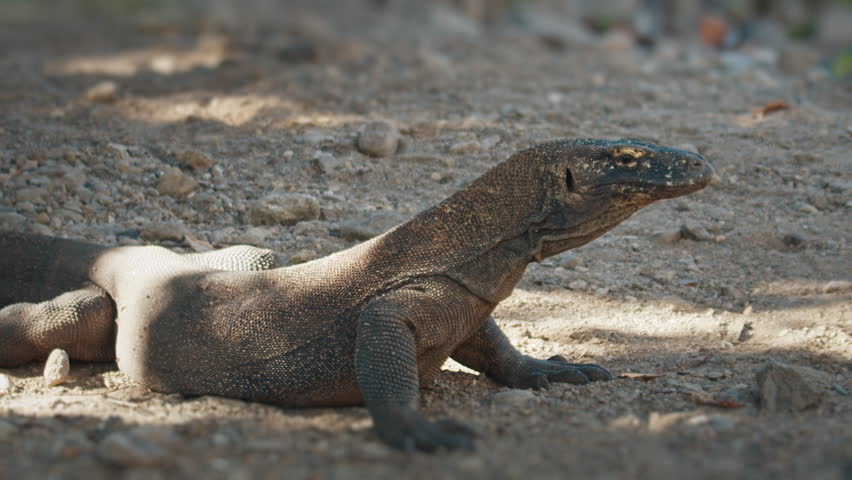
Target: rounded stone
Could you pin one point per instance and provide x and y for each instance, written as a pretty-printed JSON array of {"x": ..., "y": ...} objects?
[
  {"x": 56, "y": 368},
  {"x": 284, "y": 208},
  {"x": 378, "y": 139}
]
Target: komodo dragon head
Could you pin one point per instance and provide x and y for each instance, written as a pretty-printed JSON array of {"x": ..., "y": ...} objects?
[{"x": 590, "y": 186}]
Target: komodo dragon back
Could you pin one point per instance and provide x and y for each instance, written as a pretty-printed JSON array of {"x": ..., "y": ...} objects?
[{"x": 365, "y": 325}]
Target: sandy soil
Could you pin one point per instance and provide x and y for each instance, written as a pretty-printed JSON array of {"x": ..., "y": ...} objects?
[{"x": 277, "y": 101}]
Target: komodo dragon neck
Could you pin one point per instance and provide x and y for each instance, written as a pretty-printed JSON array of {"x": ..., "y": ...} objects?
[{"x": 538, "y": 203}]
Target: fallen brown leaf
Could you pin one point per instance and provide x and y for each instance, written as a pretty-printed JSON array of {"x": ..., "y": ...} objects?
[
  {"x": 645, "y": 377},
  {"x": 772, "y": 107}
]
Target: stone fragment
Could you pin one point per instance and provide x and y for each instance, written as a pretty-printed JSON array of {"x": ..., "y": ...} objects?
[
  {"x": 175, "y": 183},
  {"x": 695, "y": 231},
  {"x": 251, "y": 236},
  {"x": 578, "y": 285},
  {"x": 665, "y": 238},
  {"x": 807, "y": 208},
  {"x": 163, "y": 231},
  {"x": 469, "y": 146},
  {"x": 790, "y": 388},
  {"x": 32, "y": 194},
  {"x": 378, "y": 139},
  {"x": 284, "y": 208},
  {"x": 56, "y": 368},
  {"x": 489, "y": 142},
  {"x": 103, "y": 92},
  {"x": 326, "y": 162},
  {"x": 514, "y": 398},
  {"x": 793, "y": 240},
  {"x": 12, "y": 221},
  {"x": 195, "y": 159}
]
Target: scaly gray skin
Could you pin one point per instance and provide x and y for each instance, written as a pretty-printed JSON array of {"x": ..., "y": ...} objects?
[{"x": 368, "y": 324}]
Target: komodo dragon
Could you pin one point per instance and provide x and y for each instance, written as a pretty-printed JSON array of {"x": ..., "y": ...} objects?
[{"x": 365, "y": 325}]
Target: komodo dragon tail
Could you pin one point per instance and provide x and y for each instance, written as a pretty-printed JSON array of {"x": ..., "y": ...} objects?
[{"x": 47, "y": 301}]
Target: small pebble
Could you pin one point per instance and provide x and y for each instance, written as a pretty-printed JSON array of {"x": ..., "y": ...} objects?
[
  {"x": 514, "y": 398},
  {"x": 103, "y": 92},
  {"x": 695, "y": 231},
  {"x": 807, "y": 208},
  {"x": 56, "y": 368},
  {"x": 793, "y": 240},
  {"x": 714, "y": 375},
  {"x": 195, "y": 159},
  {"x": 665, "y": 238},
  {"x": 163, "y": 231},
  {"x": 489, "y": 142},
  {"x": 578, "y": 285},
  {"x": 378, "y": 139},
  {"x": 36, "y": 195},
  {"x": 284, "y": 208},
  {"x": 470, "y": 146},
  {"x": 571, "y": 261},
  {"x": 175, "y": 183}
]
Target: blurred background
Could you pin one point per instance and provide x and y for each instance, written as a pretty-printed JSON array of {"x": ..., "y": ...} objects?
[{"x": 799, "y": 34}]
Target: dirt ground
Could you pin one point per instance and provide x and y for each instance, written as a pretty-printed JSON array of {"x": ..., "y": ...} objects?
[{"x": 276, "y": 97}]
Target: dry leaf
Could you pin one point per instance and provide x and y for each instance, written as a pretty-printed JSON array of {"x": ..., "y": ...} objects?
[
  {"x": 197, "y": 244},
  {"x": 772, "y": 107},
  {"x": 645, "y": 377}
]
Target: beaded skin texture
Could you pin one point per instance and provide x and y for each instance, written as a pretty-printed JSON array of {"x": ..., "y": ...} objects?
[{"x": 369, "y": 324}]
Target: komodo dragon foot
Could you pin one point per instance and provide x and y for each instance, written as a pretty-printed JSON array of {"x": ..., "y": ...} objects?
[{"x": 539, "y": 374}]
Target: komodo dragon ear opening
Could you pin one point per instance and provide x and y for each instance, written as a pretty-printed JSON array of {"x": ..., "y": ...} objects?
[{"x": 569, "y": 179}]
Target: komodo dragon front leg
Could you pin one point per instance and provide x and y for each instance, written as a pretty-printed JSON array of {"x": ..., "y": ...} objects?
[
  {"x": 489, "y": 351},
  {"x": 82, "y": 321}
]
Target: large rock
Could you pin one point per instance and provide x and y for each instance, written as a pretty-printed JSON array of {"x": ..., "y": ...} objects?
[
  {"x": 789, "y": 388},
  {"x": 284, "y": 208}
]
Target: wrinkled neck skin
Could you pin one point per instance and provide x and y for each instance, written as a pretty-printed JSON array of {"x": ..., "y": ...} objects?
[{"x": 493, "y": 274}]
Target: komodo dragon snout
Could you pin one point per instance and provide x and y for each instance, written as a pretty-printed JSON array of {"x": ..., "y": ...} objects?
[{"x": 369, "y": 324}]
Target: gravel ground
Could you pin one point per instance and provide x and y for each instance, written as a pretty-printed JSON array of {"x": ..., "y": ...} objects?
[{"x": 309, "y": 131}]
